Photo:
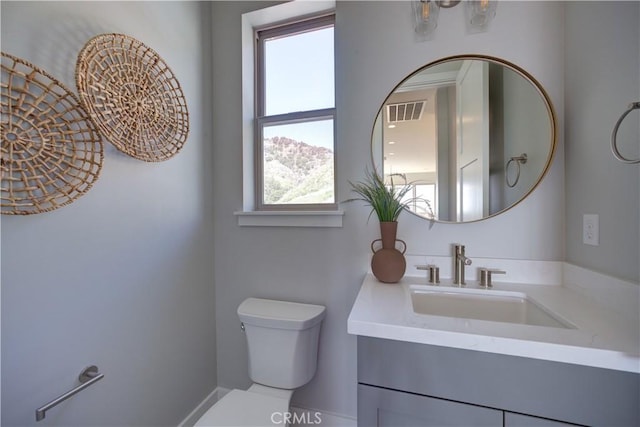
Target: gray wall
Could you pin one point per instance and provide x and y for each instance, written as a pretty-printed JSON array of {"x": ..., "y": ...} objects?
[
  {"x": 602, "y": 78},
  {"x": 375, "y": 49},
  {"x": 122, "y": 277}
]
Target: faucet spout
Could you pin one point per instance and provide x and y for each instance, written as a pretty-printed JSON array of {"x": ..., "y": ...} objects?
[{"x": 460, "y": 261}]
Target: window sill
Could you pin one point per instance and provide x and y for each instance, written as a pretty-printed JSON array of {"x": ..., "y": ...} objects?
[{"x": 289, "y": 218}]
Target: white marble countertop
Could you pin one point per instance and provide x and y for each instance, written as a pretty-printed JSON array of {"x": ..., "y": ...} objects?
[{"x": 602, "y": 337}]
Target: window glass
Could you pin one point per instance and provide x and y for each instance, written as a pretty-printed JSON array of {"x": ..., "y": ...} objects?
[
  {"x": 299, "y": 72},
  {"x": 425, "y": 200},
  {"x": 421, "y": 199},
  {"x": 298, "y": 163}
]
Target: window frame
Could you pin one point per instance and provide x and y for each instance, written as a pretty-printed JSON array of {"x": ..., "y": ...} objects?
[{"x": 284, "y": 29}]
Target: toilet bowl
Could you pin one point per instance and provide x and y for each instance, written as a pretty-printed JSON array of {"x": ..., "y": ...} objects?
[
  {"x": 246, "y": 408},
  {"x": 282, "y": 340}
]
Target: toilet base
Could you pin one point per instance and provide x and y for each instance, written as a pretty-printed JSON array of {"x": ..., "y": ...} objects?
[{"x": 258, "y": 406}]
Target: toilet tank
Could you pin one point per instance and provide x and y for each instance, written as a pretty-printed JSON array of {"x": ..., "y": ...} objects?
[{"x": 282, "y": 338}]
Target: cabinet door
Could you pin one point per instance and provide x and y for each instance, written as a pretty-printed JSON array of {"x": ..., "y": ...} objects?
[
  {"x": 390, "y": 408},
  {"x": 519, "y": 420}
]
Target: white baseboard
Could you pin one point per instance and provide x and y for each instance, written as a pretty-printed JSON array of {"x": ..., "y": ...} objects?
[
  {"x": 207, "y": 403},
  {"x": 307, "y": 417}
]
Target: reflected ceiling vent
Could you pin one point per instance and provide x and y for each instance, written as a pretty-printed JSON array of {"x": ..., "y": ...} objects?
[{"x": 405, "y": 111}]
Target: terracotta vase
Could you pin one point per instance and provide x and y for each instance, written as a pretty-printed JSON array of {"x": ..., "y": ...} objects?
[{"x": 388, "y": 263}]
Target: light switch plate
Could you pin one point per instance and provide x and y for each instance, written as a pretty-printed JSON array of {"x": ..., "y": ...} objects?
[{"x": 591, "y": 229}]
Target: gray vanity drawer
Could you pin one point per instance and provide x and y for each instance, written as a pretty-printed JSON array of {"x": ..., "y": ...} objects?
[{"x": 389, "y": 408}]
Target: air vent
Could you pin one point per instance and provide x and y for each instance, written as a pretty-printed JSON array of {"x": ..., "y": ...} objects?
[{"x": 405, "y": 111}]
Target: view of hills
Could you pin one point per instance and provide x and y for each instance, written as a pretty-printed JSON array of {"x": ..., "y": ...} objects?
[{"x": 296, "y": 172}]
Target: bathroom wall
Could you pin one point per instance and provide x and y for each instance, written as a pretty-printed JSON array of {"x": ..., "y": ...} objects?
[
  {"x": 602, "y": 78},
  {"x": 375, "y": 49},
  {"x": 121, "y": 278}
]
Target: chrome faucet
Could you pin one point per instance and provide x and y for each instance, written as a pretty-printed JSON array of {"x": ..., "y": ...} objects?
[{"x": 460, "y": 260}]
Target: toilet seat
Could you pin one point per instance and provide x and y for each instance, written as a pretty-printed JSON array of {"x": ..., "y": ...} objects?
[{"x": 246, "y": 408}]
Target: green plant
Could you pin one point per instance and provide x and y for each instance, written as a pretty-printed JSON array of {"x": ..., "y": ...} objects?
[{"x": 387, "y": 201}]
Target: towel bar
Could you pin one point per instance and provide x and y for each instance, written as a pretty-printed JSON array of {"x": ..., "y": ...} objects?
[
  {"x": 87, "y": 377},
  {"x": 614, "y": 135},
  {"x": 519, "y": 160}
]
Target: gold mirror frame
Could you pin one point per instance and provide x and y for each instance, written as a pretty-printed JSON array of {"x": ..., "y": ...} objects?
[{"x": 377, "y": 164}]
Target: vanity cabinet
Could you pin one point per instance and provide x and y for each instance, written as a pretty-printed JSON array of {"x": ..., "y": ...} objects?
[
  {"x": 519, "y": 420},
  {"x": 409, "y": 384},
  {"x": 382, "y": 407},
  {"x": 385, "y": 408}
]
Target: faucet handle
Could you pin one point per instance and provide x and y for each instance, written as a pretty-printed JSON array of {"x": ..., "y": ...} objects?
[
  {"x": 434, "y": 272},
  {"x": 485, "y": 276}
]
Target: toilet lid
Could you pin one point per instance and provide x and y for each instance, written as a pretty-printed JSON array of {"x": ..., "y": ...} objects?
[{"x": 246, "y": 408}]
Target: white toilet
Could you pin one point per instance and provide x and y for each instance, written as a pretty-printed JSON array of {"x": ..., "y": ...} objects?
[{"x": 283, "y": 350}]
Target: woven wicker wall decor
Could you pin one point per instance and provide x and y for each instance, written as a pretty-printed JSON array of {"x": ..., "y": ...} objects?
[
  {"x": 133, "y": 97},
  {"x": 51, "y": 150}
]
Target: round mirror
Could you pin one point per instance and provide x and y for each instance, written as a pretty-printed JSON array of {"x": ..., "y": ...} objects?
[{"x": 472, "y": 136}]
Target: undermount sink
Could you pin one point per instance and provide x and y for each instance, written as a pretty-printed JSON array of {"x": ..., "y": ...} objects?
[{"x": 479, "y": 304}]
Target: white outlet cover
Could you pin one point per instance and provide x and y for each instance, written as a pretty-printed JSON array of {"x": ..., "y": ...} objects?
[{"x": 591, "y": 229}]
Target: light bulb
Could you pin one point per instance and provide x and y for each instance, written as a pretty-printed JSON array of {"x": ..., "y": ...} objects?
[
  {"x": 480, "y": 13},
  {"x": 426, "y": 10},
  {"x": 425, "y": 14}
]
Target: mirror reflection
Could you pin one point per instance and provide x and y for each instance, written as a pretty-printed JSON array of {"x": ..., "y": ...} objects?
[{"x": 473, "y": 136}]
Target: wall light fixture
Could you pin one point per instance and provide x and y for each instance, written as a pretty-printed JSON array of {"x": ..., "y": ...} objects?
[{"x": 479, "y": 14}]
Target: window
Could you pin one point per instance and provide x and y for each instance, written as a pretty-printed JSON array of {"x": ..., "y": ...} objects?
[
  {"x": 421, "y": 199},
  {"x": 425, "y": 200},
  {"x": 295, "y": 116}
]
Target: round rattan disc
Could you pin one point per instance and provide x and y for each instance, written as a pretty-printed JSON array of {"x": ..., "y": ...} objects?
[
  {"x": 51, "y": 150},
  {"x": 133, "y": 97}
]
